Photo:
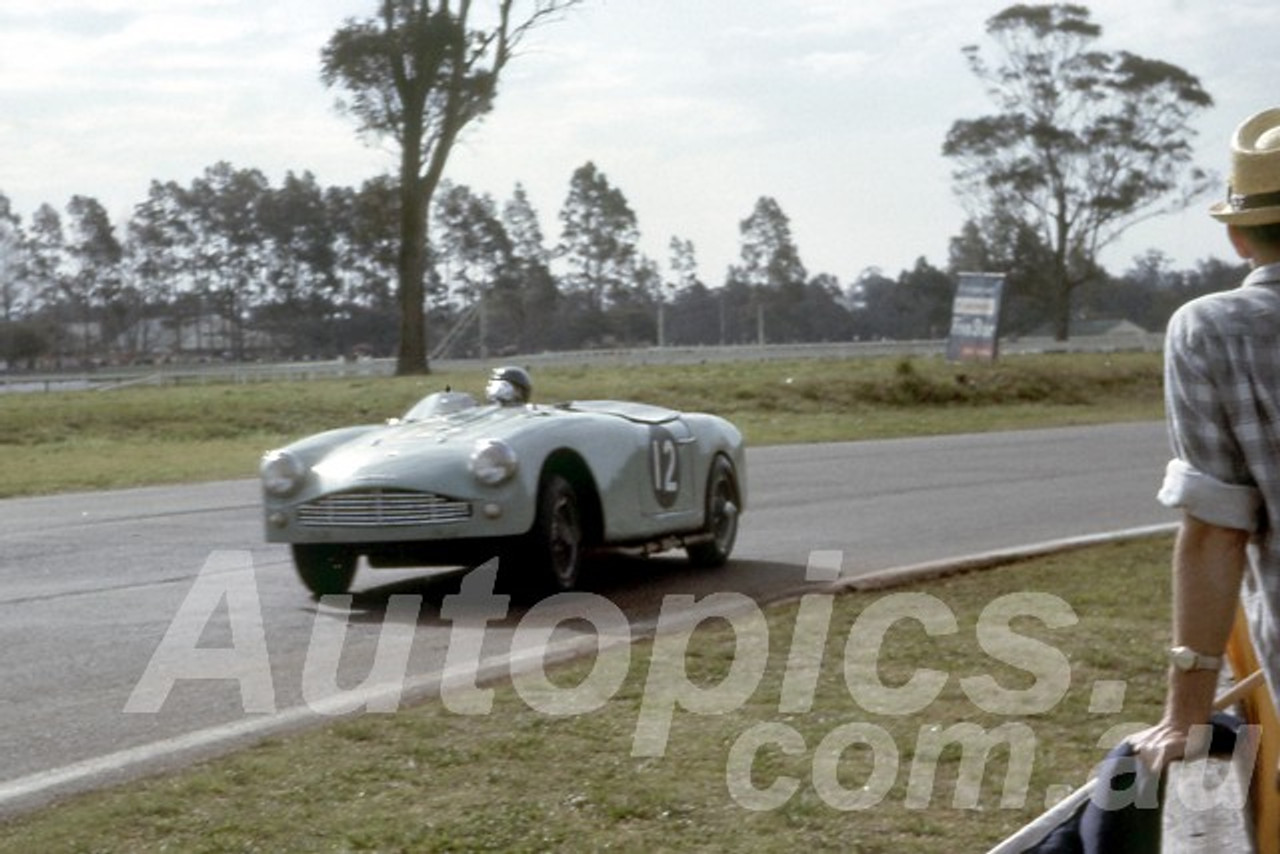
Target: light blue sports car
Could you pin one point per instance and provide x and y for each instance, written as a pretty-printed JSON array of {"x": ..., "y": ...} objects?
[{"x": 456, "y": 482}]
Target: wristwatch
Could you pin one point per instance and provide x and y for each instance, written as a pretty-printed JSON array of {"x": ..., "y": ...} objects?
[{"x": 1186, "y": 659}]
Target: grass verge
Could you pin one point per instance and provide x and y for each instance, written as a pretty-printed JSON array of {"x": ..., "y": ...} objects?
[
  {"x": 1081, "y": 656},
  {"x": 144, "y": 435}
]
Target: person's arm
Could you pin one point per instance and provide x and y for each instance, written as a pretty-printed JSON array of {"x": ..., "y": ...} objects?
[{"x": 1208, "y": 565}]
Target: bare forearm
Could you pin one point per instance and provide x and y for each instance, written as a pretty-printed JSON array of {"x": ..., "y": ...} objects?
[{"x": 1208, "y": 564}]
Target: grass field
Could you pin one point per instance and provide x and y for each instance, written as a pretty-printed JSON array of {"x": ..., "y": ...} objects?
[
  {"x": 840, "y": 771},
  {"x": 61, "y": 441},
  {"x": 518, "y": 779}
]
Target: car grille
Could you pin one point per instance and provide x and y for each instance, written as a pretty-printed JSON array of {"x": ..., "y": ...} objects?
[{"x": 381, "y": 508}]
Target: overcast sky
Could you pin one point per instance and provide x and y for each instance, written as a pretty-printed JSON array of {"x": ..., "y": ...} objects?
[{"x": 692, "y": 108}]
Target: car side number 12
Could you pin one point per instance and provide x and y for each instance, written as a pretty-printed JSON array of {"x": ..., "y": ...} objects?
[{"x": 664, "y": 461}]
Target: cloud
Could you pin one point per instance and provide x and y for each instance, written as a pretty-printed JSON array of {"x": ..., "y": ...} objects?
[{"x": 693, "y": 108}]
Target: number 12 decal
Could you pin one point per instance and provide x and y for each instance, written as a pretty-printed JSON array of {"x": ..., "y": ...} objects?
[{"x": 664, "y": 466}]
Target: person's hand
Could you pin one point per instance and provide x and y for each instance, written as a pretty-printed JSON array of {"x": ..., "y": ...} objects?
[{"x": 1169, "y": 741}]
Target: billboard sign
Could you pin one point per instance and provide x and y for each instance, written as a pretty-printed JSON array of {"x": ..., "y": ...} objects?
[{"x": 975, "y": 317}]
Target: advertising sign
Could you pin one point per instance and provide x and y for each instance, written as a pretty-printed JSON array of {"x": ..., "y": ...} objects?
[{"x": 975, "y": 317}]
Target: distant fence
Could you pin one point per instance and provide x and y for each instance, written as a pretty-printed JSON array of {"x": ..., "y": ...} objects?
[{"x": 109, "y": 378}]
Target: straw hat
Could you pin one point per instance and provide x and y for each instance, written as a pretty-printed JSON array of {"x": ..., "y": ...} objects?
[{"x": 1253, "y": 194}]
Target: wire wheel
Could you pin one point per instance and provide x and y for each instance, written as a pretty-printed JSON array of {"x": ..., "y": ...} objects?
[
  {"x": 721, "y": 529},
  {"x": 558, "y": 534}
]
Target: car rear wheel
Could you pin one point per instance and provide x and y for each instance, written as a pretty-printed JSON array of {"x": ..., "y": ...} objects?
[
  {"x": 556, "y": 541},
  {"x": 721, "y": 529},
  {"x": 325, "y": 569}
]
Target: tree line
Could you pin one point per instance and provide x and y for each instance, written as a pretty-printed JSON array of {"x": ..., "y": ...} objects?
[
  {"x": 305, "y": 271},
  {"x": 300, "y": 271}
]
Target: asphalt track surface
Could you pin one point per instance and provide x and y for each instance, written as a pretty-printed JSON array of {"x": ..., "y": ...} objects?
[{"x": 93, "y": 581}]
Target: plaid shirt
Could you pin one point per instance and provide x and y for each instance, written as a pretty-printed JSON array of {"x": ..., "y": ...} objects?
[{"x": 1222, "y": 402}]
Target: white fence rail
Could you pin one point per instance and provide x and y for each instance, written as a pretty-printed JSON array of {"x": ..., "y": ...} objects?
[{"x": 109, "y": 378}]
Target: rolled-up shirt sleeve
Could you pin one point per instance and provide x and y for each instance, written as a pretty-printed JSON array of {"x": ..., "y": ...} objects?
[
  {"x": 1209, "y": 477},
  {"x": 1227, "y": 505}
]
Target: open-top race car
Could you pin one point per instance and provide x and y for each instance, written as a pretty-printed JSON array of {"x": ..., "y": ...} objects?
[{"x": 456, "y": 482}]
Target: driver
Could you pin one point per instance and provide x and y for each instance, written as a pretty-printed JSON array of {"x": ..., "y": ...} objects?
[{"x": 509, "y": 386}]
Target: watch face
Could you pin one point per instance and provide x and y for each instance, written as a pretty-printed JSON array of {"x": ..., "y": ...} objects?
[{"x": 1183, "y": 658}]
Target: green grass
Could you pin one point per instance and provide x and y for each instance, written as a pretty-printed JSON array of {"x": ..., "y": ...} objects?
[
  {"x": 142, "y": 435},
  {"x": 426, "y": 779}
]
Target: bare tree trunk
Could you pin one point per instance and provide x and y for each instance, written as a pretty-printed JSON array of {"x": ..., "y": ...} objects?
[{"x": 412, "y": 355}]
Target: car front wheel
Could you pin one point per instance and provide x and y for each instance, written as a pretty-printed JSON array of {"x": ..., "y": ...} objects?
[
  {"x": 721, "y": 530},
  {"x": 556, "y": 541},
  {"x": 325, "y": 569}
]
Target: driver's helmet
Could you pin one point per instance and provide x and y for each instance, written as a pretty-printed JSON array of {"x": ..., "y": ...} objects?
[{"x": 509, "y": 386}]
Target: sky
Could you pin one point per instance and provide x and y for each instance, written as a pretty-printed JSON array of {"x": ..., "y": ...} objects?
[{"x": 693, "y": 109}]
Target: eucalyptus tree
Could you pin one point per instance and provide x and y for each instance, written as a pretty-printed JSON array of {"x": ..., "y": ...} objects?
[
  {"x": 22, "y": 342},
  {"x": 21, "y": 338},
  {"x": 520, "y": 218},
  {"x": 771, "y": 274},
  {"x": 298, "y": 295},
  {"x": 1155, "y": 289},
  {"x": 682, "y": 266},
  {"x": 230, "y": 260},
  {"x": 472, "y": 247},
  {"x": 162, "y": 256},
  {"x": 12, "y": 262},
  {"x": 365, "y": 224},
  {"x": 158, "y": 240},
  {"x": 696, "y": 315},
  {"x": 873, "y": 297},
  {"x": 539, "y": 292},
  {"x": 368, "y": 237},
  {"x": 475, "y": 254},
  {"x": 47, "y": 270},
  {"x": 299, "y": 230},
  {"x": 632, "y": 316},
  {"x": 770, "y": 258},
  {"x": 926, "y": 295},
  {"x": 599, "y": 239},
  {"x": 1083, "y": 144},
  {"x": 822, "y": 313},
  {"x": 95, "y": 280},
  {"x": 683, "y": 263},
  {"x": 419, "y": 72},
  {"x": 1018, "y": 250}
]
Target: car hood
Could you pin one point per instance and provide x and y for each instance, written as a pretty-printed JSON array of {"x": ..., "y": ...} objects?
[
  {"x": 441, "y": 445},
  {"x": 382, "y": 451}
]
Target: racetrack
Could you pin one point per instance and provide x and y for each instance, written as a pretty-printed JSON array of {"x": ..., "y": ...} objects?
[{"x": 93, "y": 581}]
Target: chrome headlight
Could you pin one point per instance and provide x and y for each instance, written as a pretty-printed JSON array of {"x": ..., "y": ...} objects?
[
  {"x": 282, "y": 473},
  {"x": 493, "y": 462}
]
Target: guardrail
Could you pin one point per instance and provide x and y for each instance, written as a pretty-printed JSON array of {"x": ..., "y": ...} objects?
[{"x": 251, "y": 372}]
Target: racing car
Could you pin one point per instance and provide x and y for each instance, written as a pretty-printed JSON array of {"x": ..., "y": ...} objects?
[{"x": 457, "y": 481}]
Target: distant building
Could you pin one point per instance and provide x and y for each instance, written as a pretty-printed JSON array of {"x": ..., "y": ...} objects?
[
  {"x": 200, "y": 337},
  {"x": 1110, "y": 327}
]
